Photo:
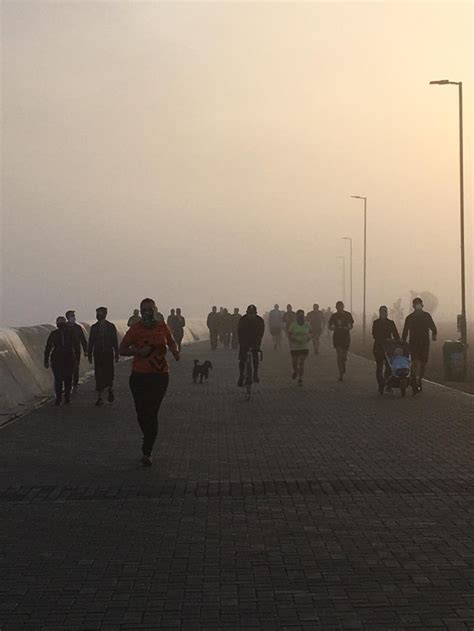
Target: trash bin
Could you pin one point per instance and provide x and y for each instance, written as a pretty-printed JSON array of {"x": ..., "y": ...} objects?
[{"x": 454, "y": 361}]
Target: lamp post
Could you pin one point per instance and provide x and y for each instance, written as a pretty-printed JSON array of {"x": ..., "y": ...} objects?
[
  {"x": 461, "y": 204},
  {"x": 343, "y": 258},
  {"x": 350, "y": 268},
  {"x": 364, "y": 301}
]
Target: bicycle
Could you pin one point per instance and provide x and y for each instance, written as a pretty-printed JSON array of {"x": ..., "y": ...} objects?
[{"x": 249, "y": 377}]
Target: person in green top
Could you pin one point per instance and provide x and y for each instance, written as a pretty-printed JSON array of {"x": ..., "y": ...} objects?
[{"x": 299, "y": 337}]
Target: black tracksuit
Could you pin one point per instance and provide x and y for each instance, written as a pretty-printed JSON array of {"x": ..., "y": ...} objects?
[
  {"x": 103, "y": 347},
  {"x": 63, "y": 348}
]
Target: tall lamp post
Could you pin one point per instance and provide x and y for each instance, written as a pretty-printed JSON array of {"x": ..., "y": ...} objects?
[
  {"x": 343, "y": 277},
  {"x": 364, "y": 307},
  {"x": 350, "y": 267},
  {"x": 461, "y": 204}
]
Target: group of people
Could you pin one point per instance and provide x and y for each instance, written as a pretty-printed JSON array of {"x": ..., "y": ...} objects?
[
  {"x": 223, "y": 327},
  {"x": 63, "y": 354},
  {"x": 305, "y": 330},
  {"x": 149, "y": 337}
]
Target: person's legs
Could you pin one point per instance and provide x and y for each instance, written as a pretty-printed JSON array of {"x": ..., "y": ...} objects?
[
  {"x": 379, "y": 362},
  {"x": 148, "y": 391},
  {"x": 294, "y": 363},
  {"x": 58, "y": 382},
  {"x": 341, "y": 353},
  {"x": 75, "y": 378},
  {"x": 301, "y": 361},
  {"x": 100, "y": 373},
  {"x": 213, "y": 336},
  {"x": 242, "y": 362},
  {"x": 316, "y": 337},
  {"x": 255, "y": 366}
]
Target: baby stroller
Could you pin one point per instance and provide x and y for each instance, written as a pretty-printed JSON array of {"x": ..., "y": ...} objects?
[{"x": 397, "y": 354}]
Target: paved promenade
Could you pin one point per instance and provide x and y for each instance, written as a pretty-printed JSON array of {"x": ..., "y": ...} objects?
[{"x": 322, "y": 507}]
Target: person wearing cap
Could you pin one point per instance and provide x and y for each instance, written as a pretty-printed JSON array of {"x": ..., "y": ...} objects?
[
  {"x": 147, "y": 342},
  {"x": 103, "y": 349},
  {"x": 62, "y": 349},
  {"x": 418, "y": 325},
  {"x": 251, "y": 330},
  {"x": 79, "y": 333}
]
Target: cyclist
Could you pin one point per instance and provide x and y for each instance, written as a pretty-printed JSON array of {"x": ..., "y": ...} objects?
[
  {"x": 251, "y": 330},
  {"x": 275, "y": 322}
]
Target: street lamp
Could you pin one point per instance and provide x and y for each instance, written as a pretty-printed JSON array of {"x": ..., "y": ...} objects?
[
  {"x": 461, "y": 204},
  {"x": 350, "y": 266},
  {"x": 364, "y": 308},
  {"x": 343, "y": 277}
]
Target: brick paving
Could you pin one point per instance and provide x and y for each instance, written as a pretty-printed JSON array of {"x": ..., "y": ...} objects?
[{"x": 322, "y": 507}]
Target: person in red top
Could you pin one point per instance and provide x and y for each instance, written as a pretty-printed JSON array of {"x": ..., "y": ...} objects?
[{"x": 147, "y": 342}]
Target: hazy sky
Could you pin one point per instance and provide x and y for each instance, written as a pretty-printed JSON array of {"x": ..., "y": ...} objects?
[{"x": 204, "y": 153}]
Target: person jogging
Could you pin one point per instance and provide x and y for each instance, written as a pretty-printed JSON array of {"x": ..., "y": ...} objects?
[
  {"x": 417, "y": 327},
  {"x": 147, "y": 342},
  {"x": 299, "y": 337},
  {"x": 103, "y": 350},
  {"x": 383, "y": 329},
  {"x": 341, "y": 323},
  {"x": 61, "y": 351}
]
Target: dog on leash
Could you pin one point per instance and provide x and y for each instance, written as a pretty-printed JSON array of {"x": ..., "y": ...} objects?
[{"x": 201, "y": 371}]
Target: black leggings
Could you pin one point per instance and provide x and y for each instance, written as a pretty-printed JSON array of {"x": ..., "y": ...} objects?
[
  {"x": 63, "y": 378},
  {"x": 148, "y": 390}
]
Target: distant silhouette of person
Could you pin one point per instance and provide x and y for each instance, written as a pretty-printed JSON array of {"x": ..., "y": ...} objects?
[
  {"x": 220, "y": 324},
  {"x": 235, "y": 328},
  {"x": 341, "y": 324},
  {"x": 226, "y": 326},
  {"x": 61, "y": 351},
  {"x": 383, "y": 329},
  {"x": 251, "y": 330},
  {"x": 171, "y": 318},
  {"x": 288, "y": 317},
  {"x": 275, "y": 324},
  {"x": 103, "y": 349},
  {"x": 178, "y": 328},
  {"x": 418, "y": 325},
  {"x": 134, "y": 318},
  {"x": 326, "y": 319},
  {"x": 213, "y": 326},
  {"x": 147, "y": 343},
  {"x": 299, "y": 338},
  {"x": 79, "y": 332},
  {"x": 316, "y": 322}
]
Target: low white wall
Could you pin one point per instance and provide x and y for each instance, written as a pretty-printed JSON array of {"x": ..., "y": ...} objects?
[{"x": 24, "y": 382}]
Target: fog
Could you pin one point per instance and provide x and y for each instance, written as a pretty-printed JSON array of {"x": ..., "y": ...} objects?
[{"x": 205, "y": 153}]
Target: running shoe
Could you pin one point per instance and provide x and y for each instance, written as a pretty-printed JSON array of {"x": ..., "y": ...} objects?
[
  {"x": 110, "y": 396},
  {"x": 99, "y": 402},
  {"x": 147, "y": 461}
]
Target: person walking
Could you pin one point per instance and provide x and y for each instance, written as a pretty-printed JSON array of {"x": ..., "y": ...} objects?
[
  {"x": 341, "y": 323},
  {"x": 235, "y": 329},
  {"x": 178, "y": 329},
  {"x": 275, "y": 324},
  {"x": 288, "y": 317},
  {"x": 61, "y": 351},
  {"x": 79, "y": 332},
  {"x": 418, "y": 325},
  {"x": 147, "y": 342},
  {"x": 316, "y": 322},
  {"x": 134, "y": 318},
  {"x": 383, "y": 329},
  {"x": 213, "y": 326},
  {"x": 226, "y": 324},
  {"x": 299, "y": 337},
  {"x": 103, "y": 350},
  {"x": 170, "y": 320}
]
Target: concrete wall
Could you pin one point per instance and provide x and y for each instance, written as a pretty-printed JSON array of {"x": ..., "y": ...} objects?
[{"x": 24, "y": 382}]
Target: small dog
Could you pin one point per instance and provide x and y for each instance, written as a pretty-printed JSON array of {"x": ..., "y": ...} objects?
[{"x": 201, "y": 371}]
